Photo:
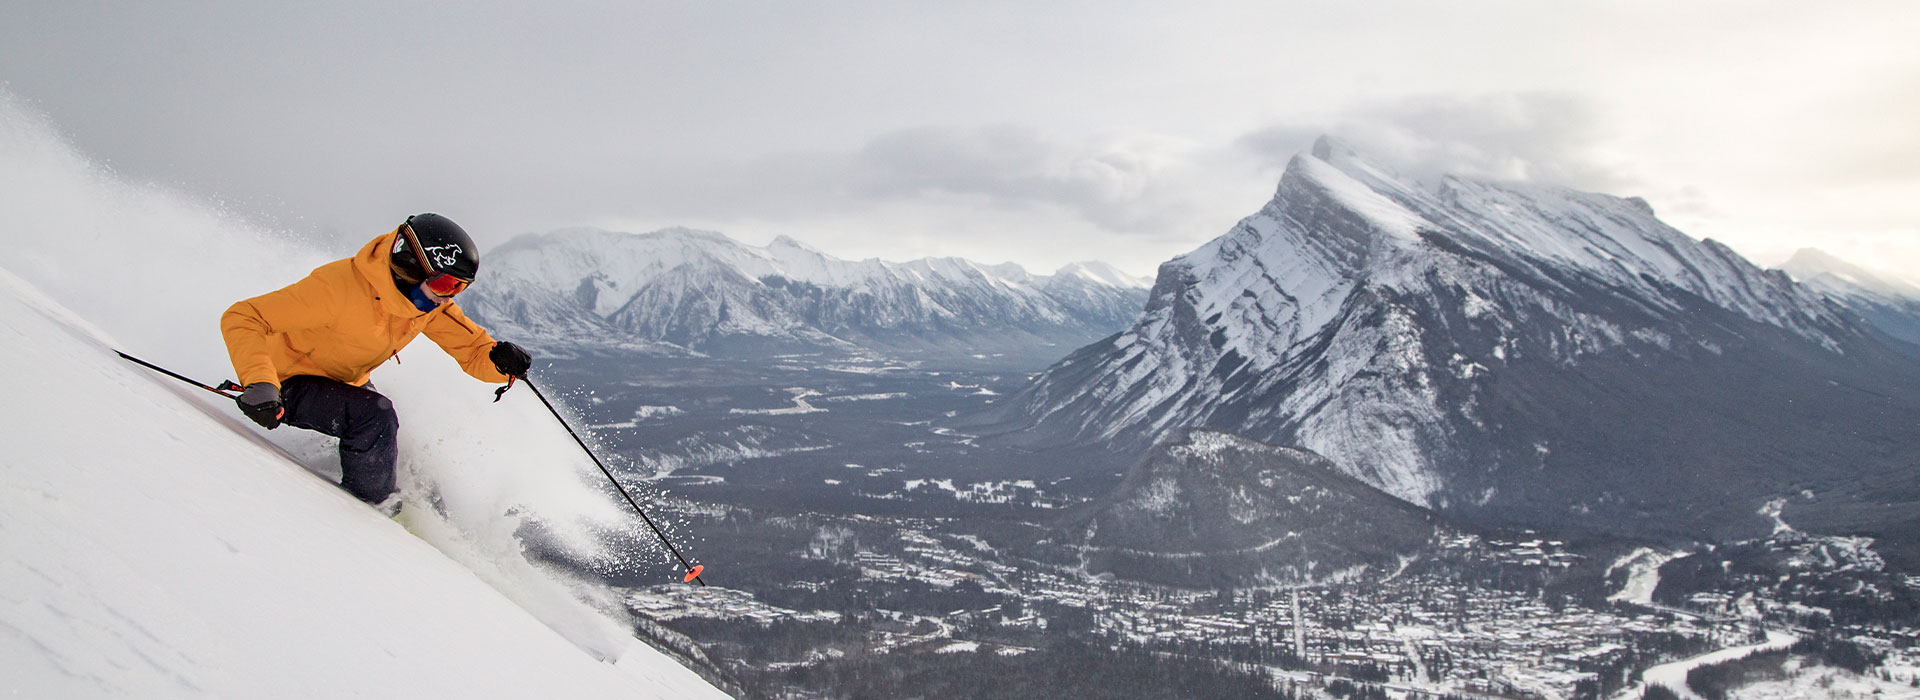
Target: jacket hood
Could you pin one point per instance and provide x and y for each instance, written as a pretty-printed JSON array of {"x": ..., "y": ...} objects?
[{"x": 374, "y": 264}]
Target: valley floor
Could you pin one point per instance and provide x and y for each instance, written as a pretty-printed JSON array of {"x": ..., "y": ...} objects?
[{"x": 857, "y": 541}]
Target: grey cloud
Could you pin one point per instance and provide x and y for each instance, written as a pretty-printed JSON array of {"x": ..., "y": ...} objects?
[
  {"x": 1124, "y": 183},
  {"x": 1275, "y": 145},
  {"x": 1543, "y": 137},
  {"x": 1004, "y": 163},
  {"x": 1121, "y": 183}
]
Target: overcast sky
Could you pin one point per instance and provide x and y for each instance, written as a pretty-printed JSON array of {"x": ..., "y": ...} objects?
[{"x": 1034, "y": 132}]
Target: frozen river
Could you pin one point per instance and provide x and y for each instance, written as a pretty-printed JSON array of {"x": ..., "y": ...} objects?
[{"x": 1674, "y": 675}]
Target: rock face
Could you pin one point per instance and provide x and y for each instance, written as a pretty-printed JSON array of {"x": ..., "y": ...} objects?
[
  {"x": 1511, "y": 354},
  {"x": 682, "y": 290},
  {"x": 1212, "y": 510}
]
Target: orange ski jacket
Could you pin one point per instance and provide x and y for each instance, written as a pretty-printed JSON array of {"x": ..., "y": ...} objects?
[{"x": 343, "y": 320}]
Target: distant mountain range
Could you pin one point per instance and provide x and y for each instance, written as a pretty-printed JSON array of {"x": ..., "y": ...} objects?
[
  {"x": 1508, "y": 354},
  {"x": 683, "y": 291}
]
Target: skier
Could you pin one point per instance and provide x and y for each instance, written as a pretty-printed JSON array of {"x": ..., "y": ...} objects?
[{"x": 304, "y": 353}]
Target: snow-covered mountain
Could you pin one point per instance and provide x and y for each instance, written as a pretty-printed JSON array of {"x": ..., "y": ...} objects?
[
  {"x": 1891, "y": 305},
  {"x": 1513, "y": 352},
  {"x": 707, "y": 293},
  {"x": 1212, "y": 510}
]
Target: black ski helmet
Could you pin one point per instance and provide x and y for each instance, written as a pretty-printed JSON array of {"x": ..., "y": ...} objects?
[{"x": 447, "y": 247}]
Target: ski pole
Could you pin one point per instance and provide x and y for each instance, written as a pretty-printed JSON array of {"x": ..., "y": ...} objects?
[
  {"x": 693, "y": 571},
  {"x": 226, "y": 385}
]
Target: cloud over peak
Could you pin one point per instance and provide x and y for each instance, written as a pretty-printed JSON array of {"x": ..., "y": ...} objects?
[{"x": 1525, "y": 136}]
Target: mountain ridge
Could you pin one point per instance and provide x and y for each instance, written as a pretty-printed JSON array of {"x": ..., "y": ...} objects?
[{"x": 700, "y": 291}]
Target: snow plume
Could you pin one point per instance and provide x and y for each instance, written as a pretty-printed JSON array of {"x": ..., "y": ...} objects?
[{"x": 152, "y": 269}]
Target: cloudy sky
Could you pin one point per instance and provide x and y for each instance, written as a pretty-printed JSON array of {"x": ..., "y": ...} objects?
[{"x": 1034, "y": 132}]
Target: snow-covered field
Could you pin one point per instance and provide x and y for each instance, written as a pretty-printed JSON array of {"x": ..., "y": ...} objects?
[
  {"x": 1643, "y": 575},
  {"x": 800, "y": 405},
  {"x": 1826, "y": 683},
  {"x": 1800, "y": 681},
  {"x": 154, "y": 544},
  {"x": 641, "y": 414}
]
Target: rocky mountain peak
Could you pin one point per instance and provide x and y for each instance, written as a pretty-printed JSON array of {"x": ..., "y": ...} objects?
[{"x": 1496, "y": 349}]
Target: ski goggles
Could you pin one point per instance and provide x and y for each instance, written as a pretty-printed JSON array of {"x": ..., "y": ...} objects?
[{"x": 445, "y": 285}]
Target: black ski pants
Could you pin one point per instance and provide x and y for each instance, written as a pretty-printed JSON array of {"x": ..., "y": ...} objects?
[{"x": 368, "y": 429}]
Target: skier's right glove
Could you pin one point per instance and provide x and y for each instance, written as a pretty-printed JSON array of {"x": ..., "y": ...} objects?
[
  {"x": 510, "y": 359},
  {"x": 261, "y": 402}
]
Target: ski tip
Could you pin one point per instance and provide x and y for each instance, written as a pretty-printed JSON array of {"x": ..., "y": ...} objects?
[{"x": 694, "y": 574}]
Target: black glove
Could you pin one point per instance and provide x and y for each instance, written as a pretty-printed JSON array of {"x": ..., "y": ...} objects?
[
  {"x": 510, "y": 359},
  {"x": 261, "y": 402}
]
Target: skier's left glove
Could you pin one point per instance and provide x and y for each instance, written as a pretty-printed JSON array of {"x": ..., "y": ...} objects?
[
  {"x": 261, "y": 402},
  {"x": 510, "y": 359}
]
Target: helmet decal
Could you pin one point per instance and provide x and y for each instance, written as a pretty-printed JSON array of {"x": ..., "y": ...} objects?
[{"x": 445, "y": 256}]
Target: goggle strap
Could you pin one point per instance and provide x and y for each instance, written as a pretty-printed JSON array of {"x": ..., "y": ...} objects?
[{"x": 419, "y": 252}]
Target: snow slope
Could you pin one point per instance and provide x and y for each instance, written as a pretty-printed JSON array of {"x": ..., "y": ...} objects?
[
  {"x": 153, "y": 544},
  {"x": 153, "y": 550}
]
